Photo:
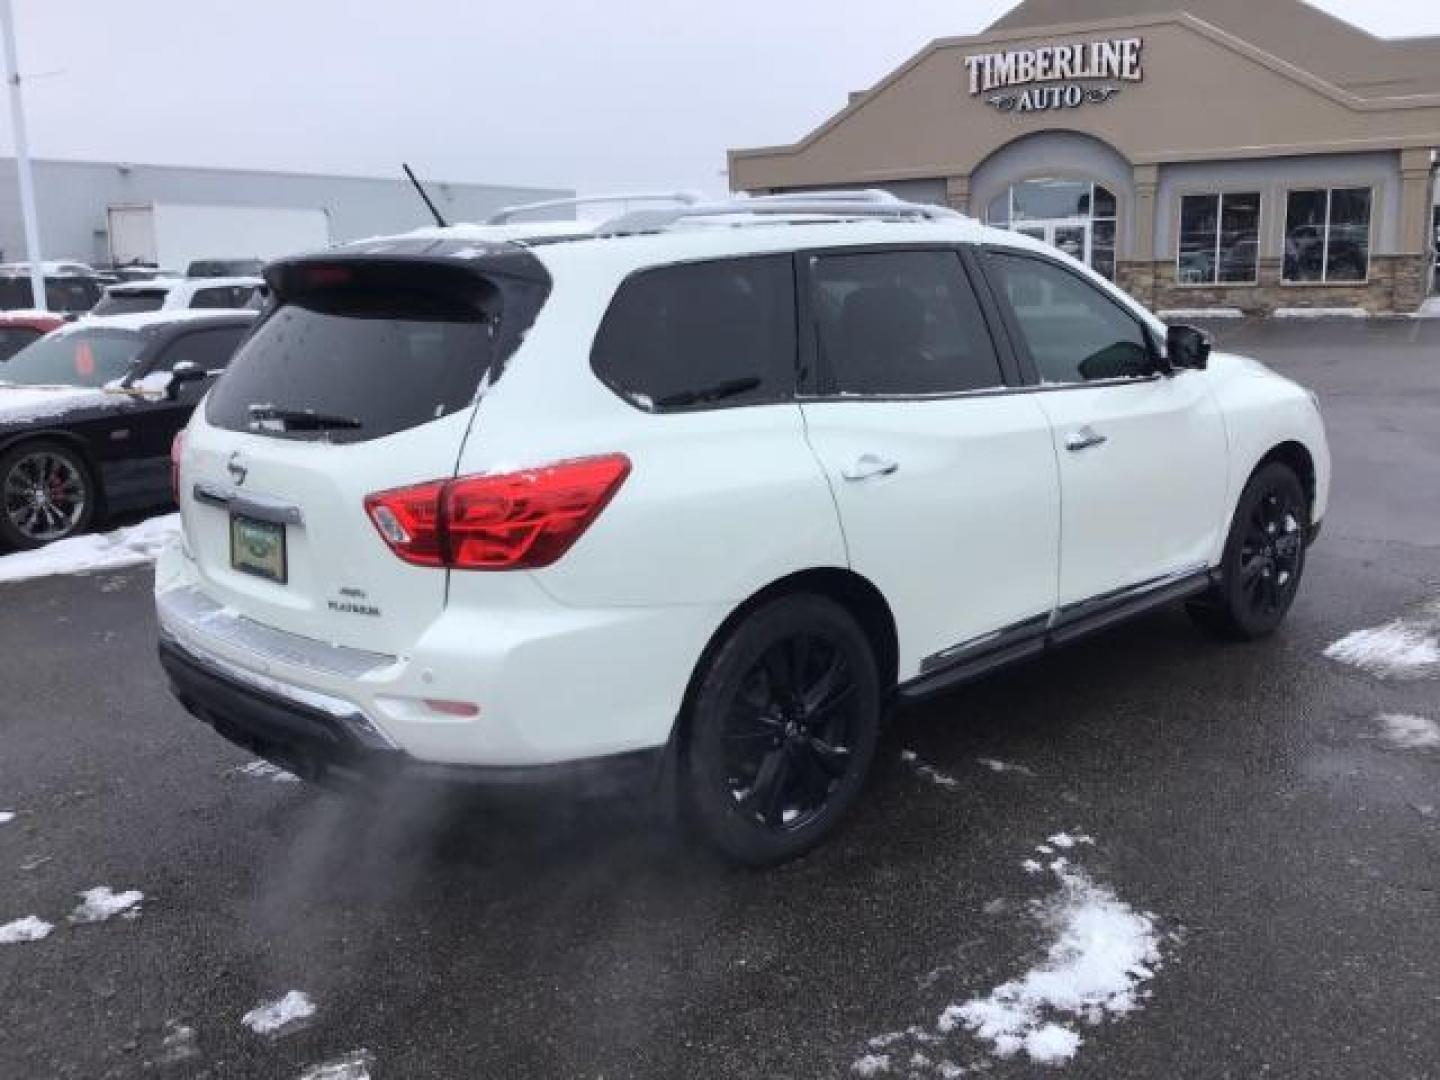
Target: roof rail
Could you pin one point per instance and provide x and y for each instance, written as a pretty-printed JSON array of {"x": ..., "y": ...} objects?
[
  {"x": 854, "y": 195},
  {"x": 501, "y": 217},
  {"x": 827, "y": 205}
]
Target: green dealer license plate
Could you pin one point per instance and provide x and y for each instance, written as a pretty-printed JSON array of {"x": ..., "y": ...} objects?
[{"x": 258, "y": 547}]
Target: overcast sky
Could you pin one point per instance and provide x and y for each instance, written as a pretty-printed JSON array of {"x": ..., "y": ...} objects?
[{"x": 569, "y": 93}]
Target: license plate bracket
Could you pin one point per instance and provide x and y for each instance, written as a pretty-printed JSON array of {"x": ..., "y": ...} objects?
[{"x": 258, "y": 548}]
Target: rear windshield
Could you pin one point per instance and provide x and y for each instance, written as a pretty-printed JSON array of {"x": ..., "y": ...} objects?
[
  {"x": 349, "y": 372},
  {"x": 129, "y": 302},
  {"x": 76, "y": 358}
]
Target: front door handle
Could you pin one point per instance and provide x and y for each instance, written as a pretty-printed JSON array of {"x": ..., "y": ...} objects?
[
  {"x": 870, "y": 466},
  {"x": 1084, "y": 439}
]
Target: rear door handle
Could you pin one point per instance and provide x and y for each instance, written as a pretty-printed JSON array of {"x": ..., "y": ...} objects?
[
  {"x": 870, "y": 466},
  {"x": 1084, "y": 439}
]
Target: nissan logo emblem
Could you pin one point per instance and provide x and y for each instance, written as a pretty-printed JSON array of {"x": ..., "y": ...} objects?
[{"x": 238, "y": 472}]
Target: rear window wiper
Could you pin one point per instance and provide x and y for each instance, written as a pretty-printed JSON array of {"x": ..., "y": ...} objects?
[
  {"x": 718, "y": 392},
  {"x": 262, "y": 416}
]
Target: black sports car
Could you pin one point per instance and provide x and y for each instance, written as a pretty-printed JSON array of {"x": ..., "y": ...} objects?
[{"x": 87, "y": 415}]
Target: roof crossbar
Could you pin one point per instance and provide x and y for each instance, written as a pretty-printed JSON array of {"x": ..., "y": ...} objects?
[
  {"x": 501, "y": 217},
  {"x": 833, "y": 205}
]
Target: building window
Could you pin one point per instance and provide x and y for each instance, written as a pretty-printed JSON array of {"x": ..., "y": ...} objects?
[
  {"x": 1327, "y": 235},
  {"x": 1076, "y": 216},
  {"x": 1219, "y": 239}
]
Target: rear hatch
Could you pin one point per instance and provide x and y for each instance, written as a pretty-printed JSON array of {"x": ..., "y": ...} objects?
[{"x": 361, "y": 376}]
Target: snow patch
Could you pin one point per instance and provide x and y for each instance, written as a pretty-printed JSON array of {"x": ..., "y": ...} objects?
[
  {"x": 1100, "y": 953},
  {"x": 6, "y": 816},
  {"x": 927, "y": 772},
  {"x": 264, "y": 770},
  {"x": 130, "y": 546},
  {"x": 1430, "y": 309},
  {"x": 23, "y": 404},
  {"x": 102, "y": 902},
  {"x": 178, "y": 1044},
  {"x": 1409, "y": 732},
  {"x": 29, "y": 928},
  {"x": 1320, "y": 313},
  {"x": 1004, "y": 766},
  {"x": 1180, "y": 315},
  {"x": 1402, "y": 649},
  {"x": 871, "y": 1065},
  {"x": 272, "y": 1018},
  {"x": 352, "y": 1066}
]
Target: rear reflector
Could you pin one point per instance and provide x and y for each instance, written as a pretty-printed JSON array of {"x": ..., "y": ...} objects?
[
  {"x": 503, "y": 521},
  {"x": 177, "y": 447}
]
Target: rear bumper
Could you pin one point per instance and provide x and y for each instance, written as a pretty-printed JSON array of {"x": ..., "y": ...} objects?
[{"x": 325, "y": 739}]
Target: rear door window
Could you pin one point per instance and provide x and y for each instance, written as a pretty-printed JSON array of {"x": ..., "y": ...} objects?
[
  {"x": 701, "y": 335},
  {"x": 223, "y": 296},
  {"x": 900, "y": 323},
  {"x": 211, "y": 349},
  {"x": 365, "y": 367}
]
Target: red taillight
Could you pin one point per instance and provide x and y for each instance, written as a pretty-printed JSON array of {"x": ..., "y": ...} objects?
[
  {"x": 505, "y": 521},
  {"x": 177, "y": 447}
]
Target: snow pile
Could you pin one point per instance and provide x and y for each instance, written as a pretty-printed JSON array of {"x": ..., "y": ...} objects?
[
  {"x": 928, "y": 772},
  {"x": 1320, "y": 313},
  {"x": 1098, "y": 954},
  {"x": 1004, "y": 766},
  {"x": 6, "y": 816},
  {"x": 102, "y": 902},
  {"x": 29, "y": 928},
  {"x": 1101, "y": 951},
  {"x": 353, "y": 1066},
  {"x": 275, "y": 1016},
  {"x": 263, "y": 770},
  {"x": 1409, "y": 732},
  {"x": 116, "y": 550},
  {"x": 1404, "y": 648},
  {"x": 1181, "y": 315}
]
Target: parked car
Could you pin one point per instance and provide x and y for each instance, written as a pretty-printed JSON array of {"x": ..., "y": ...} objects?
[
  {"x": 69, "y": 287},
  {"x": 703, "y": 502},
  {"x": 137, "y": 272},
  {"x": 214, "y": 268},
  {"x": 21, "y": 328},
  {"x": 87, "y": 415},
  {"x": 174, "y": 294}
]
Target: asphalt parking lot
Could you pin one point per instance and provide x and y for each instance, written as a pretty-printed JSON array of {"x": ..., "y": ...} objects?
[{"x": 1243, "y": 795}]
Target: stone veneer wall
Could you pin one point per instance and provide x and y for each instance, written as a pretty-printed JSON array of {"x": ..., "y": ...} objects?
[{"x": 1398, "y": 285}]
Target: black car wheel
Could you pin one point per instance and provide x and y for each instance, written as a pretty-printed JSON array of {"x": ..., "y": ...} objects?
[
  {"x": 1264, "y": 558},
  {"x": 46, "y": 494},
  {"x": 782, "y": 729}
]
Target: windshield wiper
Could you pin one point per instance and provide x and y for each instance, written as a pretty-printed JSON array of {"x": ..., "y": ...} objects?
[
  {"x": 718, "y": 392},
  {"x": 301, "y": 419}
]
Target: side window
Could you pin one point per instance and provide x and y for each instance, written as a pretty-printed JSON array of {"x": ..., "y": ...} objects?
[
  {"x": 211, "y": 349},
  {"x": 701, "y": 335},
  {"x": 901, "y": 323},
  {"x": 1075, "y": 332}
]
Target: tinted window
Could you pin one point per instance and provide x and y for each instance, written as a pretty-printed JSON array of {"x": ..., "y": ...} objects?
[
  {"x": 129, "y": 302},
  {"x": 224, "y": 296},
  {"x": 1074, "y": 332},
  {"x": 903, "y": 322},
  {"x": 202, "y": 268},
  {"x": 386, "y": 362},
  {"x": 74, "y": 358},
  {"x": 703, "y": 335},
  {"x": 61, "y": 294},
  {"x": 211, "y": 349},
  {"x": 15, "y": 338}
]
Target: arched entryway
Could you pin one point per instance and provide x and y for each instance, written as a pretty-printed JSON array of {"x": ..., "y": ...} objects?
[{"x": 1064, "y": 187}]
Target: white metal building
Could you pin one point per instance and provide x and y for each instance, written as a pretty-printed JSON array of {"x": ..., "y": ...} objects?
[{"x": 72, "y": 198}]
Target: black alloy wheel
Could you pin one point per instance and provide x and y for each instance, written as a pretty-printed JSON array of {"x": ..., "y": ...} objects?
[
  {"x": 46, "y": 494},
  {"x": 783, "y": 729},
  {"x": 1264, "y": 558}
]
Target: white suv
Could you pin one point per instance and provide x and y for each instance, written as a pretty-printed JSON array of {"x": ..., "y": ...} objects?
[
  {"x": 702, "y": 500},
  {"x": 172, "y": 294}
]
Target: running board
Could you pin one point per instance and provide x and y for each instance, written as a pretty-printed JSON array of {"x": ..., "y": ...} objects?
[{"x": 964, "y": 663}]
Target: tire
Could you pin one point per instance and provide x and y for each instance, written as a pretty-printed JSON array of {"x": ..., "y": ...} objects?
[
  {"x": 1264, "y": 558},
  {"x": 781, "y": 730},
  {"x": 47, "y": 493}
]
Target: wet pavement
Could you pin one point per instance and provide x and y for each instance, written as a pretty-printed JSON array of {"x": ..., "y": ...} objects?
[{"x": 1241, "y": 794}]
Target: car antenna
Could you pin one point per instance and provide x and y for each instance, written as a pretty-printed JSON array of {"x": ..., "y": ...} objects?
[{"x": 439, "y": 220}]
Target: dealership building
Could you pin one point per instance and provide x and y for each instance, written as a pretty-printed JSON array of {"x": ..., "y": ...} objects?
[{"x": 1252, "y": 154}]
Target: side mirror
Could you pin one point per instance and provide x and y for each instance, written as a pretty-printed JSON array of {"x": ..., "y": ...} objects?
[
  {"x": 187, "y": 371},
  {"x": 1187, "y": 347}
]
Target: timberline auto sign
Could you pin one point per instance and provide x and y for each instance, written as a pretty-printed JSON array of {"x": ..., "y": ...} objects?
[{"x": 1055, "y": 76}]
